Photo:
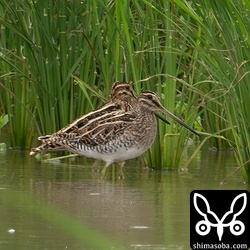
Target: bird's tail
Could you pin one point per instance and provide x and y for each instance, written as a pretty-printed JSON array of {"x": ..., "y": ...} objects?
[
  {"x": 49, "y": 143},
  {"x": 37, "y": 150}
]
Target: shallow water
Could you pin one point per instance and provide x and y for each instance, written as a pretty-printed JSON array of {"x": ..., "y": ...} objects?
[{"x": 66, "y": 205}]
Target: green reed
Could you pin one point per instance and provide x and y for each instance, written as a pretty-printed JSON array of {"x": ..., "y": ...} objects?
[
  {"x": 224, "y": 64},
  {"x": 44, "y": 44},
  {"x": 160, "y": 55}
]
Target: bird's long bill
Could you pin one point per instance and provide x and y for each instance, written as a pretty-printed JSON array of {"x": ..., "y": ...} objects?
[
  {"x": 162, "y": 118},
  {"x": 165, "y": 111}
]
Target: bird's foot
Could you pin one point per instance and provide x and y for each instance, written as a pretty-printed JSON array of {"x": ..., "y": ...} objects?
[
  {"x": 121, "y": 176},
  {"x": 103, "y": 176}
]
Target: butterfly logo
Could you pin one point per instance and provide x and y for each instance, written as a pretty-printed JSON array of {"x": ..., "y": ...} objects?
[{"x": 203, "y": 227}]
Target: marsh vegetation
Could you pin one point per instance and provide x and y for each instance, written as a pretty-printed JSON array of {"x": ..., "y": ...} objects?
[{"x": 58, "y": 60}]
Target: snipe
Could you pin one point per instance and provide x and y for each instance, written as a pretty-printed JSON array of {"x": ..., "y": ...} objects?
[
  {"x": 122, "y": 129},
  {"x": 97, "y": 133}
]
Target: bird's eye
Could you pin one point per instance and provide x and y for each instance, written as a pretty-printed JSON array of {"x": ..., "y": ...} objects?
[
  {"x": 149, "y": 97},
  {"x": 127, "y": 87}
]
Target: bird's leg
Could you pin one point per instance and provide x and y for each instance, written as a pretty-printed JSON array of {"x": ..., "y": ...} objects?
[
  {"x": 104, "y": 170},
  {"x": 121, "y": 175},
  {"x": 96, "y": 163}
]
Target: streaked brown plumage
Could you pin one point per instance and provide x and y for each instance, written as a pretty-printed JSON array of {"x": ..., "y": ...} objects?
[
  {"x": 122, "y": 129},
  {"x": 92, "y": 134}
]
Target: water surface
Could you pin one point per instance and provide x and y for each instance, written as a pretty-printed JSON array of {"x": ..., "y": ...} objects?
[{"x": 66, "y": 205}]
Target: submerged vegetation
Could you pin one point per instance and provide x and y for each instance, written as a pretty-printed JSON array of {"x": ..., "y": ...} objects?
[{"x": 58, "y": 60}]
